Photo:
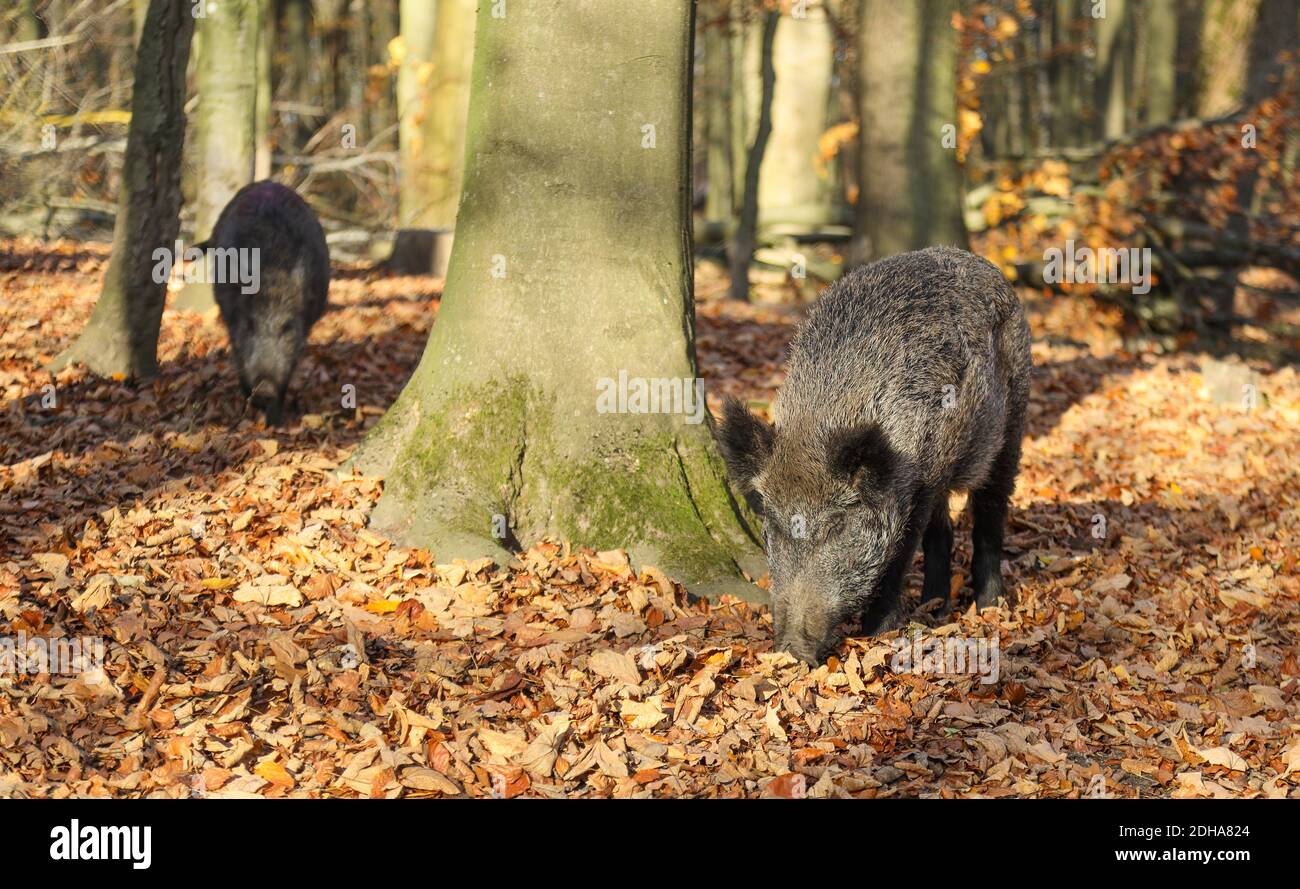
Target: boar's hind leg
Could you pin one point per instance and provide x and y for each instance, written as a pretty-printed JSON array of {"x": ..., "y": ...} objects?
[
  {"x": 937, "y": 546},
  {"x": 989, "y": 510}
]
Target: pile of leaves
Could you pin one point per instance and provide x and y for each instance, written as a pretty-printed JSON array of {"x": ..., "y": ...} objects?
[{"x": 258, "y": 640}]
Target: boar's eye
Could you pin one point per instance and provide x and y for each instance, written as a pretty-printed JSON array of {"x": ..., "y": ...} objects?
[{"x": 834, "y": 525}]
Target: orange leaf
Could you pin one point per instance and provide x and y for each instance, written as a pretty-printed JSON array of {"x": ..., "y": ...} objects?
[{"x": 275, "y": 773}]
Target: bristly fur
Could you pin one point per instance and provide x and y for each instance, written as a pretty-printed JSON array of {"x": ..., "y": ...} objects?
[
  {"x": 269, "y": 327},
  {"x": 907, "y": 380}
]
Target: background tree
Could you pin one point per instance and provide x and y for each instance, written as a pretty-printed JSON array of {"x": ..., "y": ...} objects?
[
  {"x": 1226, "y": 26},
  {"x": 1161, "y": 17},
  {"x": 1277, "y": 29},
  {"x": 791, "y": 194},
  {"x": 227, "y": 44},
  {"x": 1114, "y": 83},
  {"x": 1065, "y": 71},
  {"x": 745, "y": 237},
  {"x": 714, "y": 89},
  {"x": 571, "y": 265},
  {"x": 912, "y": 191},
  {"x": 121, "y": 337},
  {"x": 433, "y": 99}
]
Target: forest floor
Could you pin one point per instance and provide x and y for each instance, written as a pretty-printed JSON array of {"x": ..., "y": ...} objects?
[{"x": 259, "y": 641}]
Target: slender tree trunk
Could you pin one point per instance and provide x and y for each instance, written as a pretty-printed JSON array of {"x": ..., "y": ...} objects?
[
  {"x": 262, "y": 112},
  {"x": 576, "y": 218},
  {"x": 1013, "y": 77},
  {"x": 446, "y": 110},
  {"x": 746, "y": 235},
  {"x": 1277, "y": 28},
  {"x": 121, "y": 337},
  {"x": 225, "y": 121},
  {"x": 911, "y": 182},
  {"x": 746, "y": 98},
  {"x": 1035, "y": 45},
  {"x": 717, "y": 98},
  {"x": 28, "y": 24},
  {"x": 418, "y": 26},
  {"x": 790, "y": 193},
  {"x": 297, "y": 27},
  {"x": 383, "y": 28},
  {"x": 433, "y": 98},
  {"x": 331, "y": 36},
  {"x": 1114, "y": 72},
  {"x": 139, "y": 11},
  {"x": 1187, "y": 82},
  {"x": 1065, "y": 69},
  {"x": 1162, "y": 61}
]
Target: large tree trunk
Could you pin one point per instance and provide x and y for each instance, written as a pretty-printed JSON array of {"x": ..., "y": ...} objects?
[
  {"x": 225, "y": 120},
  {"x": 745, "y": 238},
  {"x": 121, "y": 337},
  {"x": 911, "y": 194},
  {"x": 572, "y": 265},
  {"x": 790, "y": 193}
]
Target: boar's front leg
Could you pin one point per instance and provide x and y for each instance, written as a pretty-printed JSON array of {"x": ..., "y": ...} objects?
[
  {"x": 885, "y": 611},
  {"x": 937, "y": 546},
  {"x": 989, "y": 510}
]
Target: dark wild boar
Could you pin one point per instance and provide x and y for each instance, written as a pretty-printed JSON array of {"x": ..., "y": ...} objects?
[
  {"x": 269, "y": 319},
  {"x": 907, "y": 380}
]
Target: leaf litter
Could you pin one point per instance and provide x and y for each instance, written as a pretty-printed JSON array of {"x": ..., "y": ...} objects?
[{"x": 259, "y": 641}]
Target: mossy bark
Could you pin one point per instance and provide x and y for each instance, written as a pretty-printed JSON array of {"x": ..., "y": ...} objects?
[
  {"x": 571, "y": 263},
  {"x": 121, "y": 337}
]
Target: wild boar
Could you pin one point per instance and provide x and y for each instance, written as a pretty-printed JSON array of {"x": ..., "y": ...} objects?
[
  {"x": 270, "y": 227},
  {"x": 907, "y": 381}
]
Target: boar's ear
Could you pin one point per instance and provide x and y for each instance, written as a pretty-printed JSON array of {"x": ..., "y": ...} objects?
[
  {"x": 861, "y": 454},
  {"x": 745, "y": 442}
]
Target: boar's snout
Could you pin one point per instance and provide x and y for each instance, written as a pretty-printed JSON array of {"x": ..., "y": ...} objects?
[
  {"x": 269, "y": 399},
  {"x": 804, "y": 626},
  {"x": 811, "y": 651}
]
